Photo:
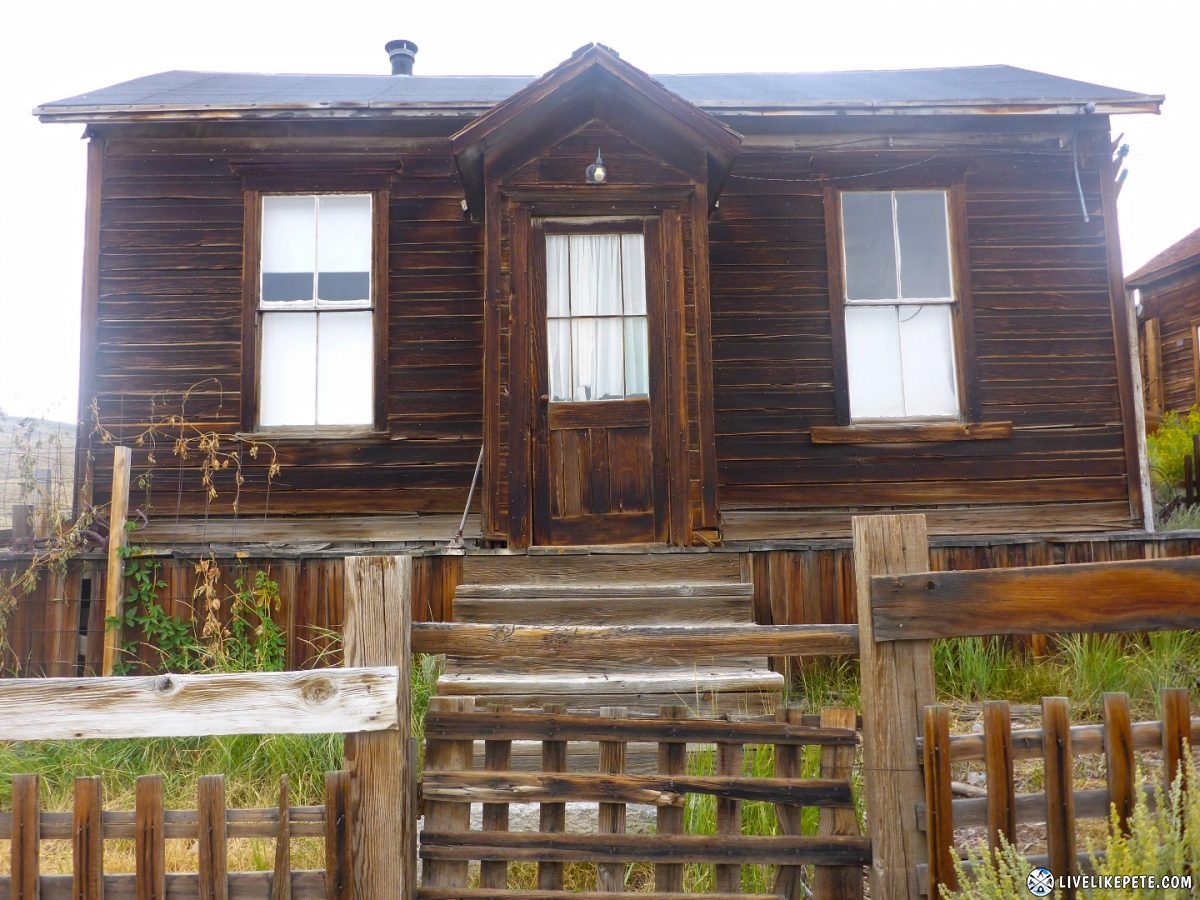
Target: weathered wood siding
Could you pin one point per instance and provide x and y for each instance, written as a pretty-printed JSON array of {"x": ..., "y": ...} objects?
[
  {"x": 1043, "y": 325},
  {"x": 1175, "y": 303},
  {"x": 169, "y": 317},
  {"x": 169, "y": 313}
]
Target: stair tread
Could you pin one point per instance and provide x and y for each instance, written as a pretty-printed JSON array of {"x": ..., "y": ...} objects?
[{"x": 526, "y": 591}]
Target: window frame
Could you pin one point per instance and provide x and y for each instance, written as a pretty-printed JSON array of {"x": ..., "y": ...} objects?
[
  {"x": 962, "y": 314},
  {"x": 252, "y": 314}
]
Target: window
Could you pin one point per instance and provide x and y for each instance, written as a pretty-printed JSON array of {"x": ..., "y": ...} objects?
[
  {"x": 596, "y": 316},
  {"x": 316, "y": 311},
  {"x": 899, "y": 305}
]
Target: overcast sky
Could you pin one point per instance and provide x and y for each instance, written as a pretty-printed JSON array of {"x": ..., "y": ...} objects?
[{"x": 58, "y": 50}]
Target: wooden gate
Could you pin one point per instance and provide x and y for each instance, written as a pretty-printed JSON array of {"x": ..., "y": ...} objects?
[{"x": 685, "y": 845}]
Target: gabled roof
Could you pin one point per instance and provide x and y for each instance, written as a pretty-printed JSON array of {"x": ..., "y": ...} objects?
[
  {"x": 179, "y": 96},
  {"x": 1179, "y": 256},
  {"x": 594, "y": 84}
]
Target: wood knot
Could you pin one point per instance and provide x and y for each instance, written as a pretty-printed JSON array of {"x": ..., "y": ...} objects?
[
  {"x": 165, "y": 684},
  {"x": 931, "y": 585},
  {"x": 318, "y": 690}
]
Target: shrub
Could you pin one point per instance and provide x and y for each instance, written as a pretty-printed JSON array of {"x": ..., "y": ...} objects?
[
  {"x": 1162, "y": 841},
  {"x": 1166, "y": 449}
]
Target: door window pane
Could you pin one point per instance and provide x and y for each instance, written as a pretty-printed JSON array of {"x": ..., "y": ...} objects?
[{"x": 596, "y": 327}]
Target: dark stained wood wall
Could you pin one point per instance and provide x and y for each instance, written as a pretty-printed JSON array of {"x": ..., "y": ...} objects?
[
  {"x": 169, "y": 310},
  {"x": 169, "y": 314},
  {"x": 1175, "y": 303},
  {"x": 1043, "y": 334}
]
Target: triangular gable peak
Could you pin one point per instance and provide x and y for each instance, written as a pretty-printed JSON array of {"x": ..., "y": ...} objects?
[{"x": 595, "y": 84}]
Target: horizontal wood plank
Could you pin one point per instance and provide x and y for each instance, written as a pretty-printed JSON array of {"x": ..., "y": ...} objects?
[
  {"x": 646, "y": 848},
  {"x": 654, "y": 790},
  {"x": 319, "y": 701},
  {"x": 306, "y": 885},
  {"x": 907, "y": 434},
  {"x": 1142, "y": 595},
  {"x": 599, "y": 642},
  {"x": 517, "y": 726}
]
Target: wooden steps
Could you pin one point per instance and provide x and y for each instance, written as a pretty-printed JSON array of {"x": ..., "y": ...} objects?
[{"x": 612, "y": 589}]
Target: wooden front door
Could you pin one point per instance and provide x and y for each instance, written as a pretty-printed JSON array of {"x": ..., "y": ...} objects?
[{"x": 599, "y": 447}]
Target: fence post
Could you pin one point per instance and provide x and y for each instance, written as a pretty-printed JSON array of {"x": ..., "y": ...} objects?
[
  {"x": 897, "y": 684},
  {"x": 378, "y": 592},
  {"x": 114, "y": 585}
]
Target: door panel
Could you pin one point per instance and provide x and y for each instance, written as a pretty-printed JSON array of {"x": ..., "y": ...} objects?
[{"x": 599, "y": 460}]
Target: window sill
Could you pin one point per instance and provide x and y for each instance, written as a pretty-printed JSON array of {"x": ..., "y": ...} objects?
[
  {"x": 326, "y": 432},
  {"x": 911, "y": 432}
]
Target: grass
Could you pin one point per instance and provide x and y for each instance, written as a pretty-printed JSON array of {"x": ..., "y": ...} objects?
[{"x": 1082, "y": 667}]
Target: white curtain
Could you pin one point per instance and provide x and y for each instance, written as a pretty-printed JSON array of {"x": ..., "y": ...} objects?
[{"x": 596, "y": 316}]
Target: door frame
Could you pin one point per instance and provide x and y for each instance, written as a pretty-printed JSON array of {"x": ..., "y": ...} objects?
[{"x": 527, "y": 370}]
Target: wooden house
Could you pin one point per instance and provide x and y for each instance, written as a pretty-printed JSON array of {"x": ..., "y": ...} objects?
[
  {"x": 1168, "y": 290},
  {"x": 671, "y": 310}
]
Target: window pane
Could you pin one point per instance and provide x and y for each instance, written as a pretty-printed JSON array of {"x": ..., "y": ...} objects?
[
  {"x": 633, "y": 274},
  {"x": 288, "y": 248},
  {"x": 344, "y": 394},
  {"x": 595, "y": 274},
  {"x": 869, "y": 246},
  {"x": 873, "y": 362},
  {"x": 637, "y": 362},
  {"x": 924, "y": 244},
  {"x": 599, "y": 363},
  {"x": 558, "y": 276},
  {"x": 288, "y": 369},
  {"x": 344, "y": 247},
  {"x": 927, "y": 344},
  {"x": 559, "y": 336}
]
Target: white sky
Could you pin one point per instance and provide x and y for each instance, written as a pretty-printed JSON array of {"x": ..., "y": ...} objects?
[{"x": 56, "y": 50}]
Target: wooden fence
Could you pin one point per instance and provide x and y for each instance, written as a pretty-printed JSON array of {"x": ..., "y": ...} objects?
[
  {"x": 907, "y": 749},
  {"x": 837, "y": 852},
  {"x": 368, "y": 815},
  {"x": 1057, "y": 744}
]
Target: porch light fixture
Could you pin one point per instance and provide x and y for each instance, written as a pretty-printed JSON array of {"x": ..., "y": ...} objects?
[{"x": 597, "y": 172}]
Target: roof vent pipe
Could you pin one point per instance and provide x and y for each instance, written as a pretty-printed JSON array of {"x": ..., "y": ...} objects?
[{"x": 401, "y": 53}]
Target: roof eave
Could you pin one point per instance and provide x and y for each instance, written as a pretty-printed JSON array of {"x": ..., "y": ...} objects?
[{"x": 167, "y": 113}]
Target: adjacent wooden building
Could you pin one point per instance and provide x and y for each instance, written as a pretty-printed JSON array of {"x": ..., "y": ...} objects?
[
  {"x": 1168, "y": 290},
  {"x": 669, "y": 310}
]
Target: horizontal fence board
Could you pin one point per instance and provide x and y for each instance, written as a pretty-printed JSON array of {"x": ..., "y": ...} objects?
[
  {"x": 306, "y": 821},
  {"x": 430, "y": 893},
  {"x": 603, "y": 643},
  {"x": 318, "y": 701},
  {"x": 1092, "y": 803},
  {"x": 669, "y": 848},
  {"x": 654, "y": 790},
  {"x": 306, "y": 885},
  {"x": 1141, "y": 595},
  {"x": 518, "y": 726},
  {"x": 1085, "y": 739}
]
